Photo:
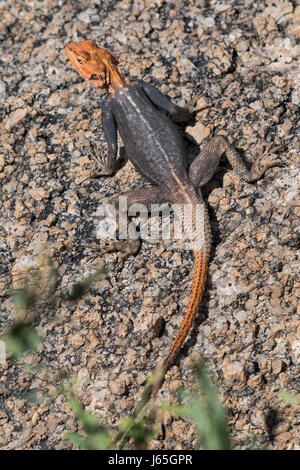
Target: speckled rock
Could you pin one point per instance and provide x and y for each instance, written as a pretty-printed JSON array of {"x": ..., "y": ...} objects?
[{"x": 240, "y": 58}]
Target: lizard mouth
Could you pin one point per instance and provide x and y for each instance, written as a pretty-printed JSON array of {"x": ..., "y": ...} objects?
[{"x": 98, "y": 80}]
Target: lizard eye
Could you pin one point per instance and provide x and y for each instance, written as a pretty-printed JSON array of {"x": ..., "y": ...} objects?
[{"x": 80, "y": 61}]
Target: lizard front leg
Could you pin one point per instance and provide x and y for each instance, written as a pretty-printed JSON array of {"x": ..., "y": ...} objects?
[
  {"x": 163, "y": 102},
  {"x": 204, "y": 166},
  {"x": 107, "y": 163}
]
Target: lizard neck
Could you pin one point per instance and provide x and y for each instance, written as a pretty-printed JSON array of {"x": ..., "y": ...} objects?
[{"x": 116, "y": 79}]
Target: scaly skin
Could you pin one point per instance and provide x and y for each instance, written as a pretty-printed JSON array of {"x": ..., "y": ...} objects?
[{"x": 155, "y": 147}]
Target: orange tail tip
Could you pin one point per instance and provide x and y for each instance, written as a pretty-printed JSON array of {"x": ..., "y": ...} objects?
[{"x": 200, "y": 274}]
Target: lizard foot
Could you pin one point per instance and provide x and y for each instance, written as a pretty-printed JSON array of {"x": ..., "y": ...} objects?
[
  {"x": 103, "y": 169},
  {"x": 260, "y": 166},
  {"x": 125, "y": 247},
  {"x": 189, "y": 110}
]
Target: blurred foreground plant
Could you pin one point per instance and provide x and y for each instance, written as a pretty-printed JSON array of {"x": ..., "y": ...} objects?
[
  {"x": 203, "y": 407},
  {"x": 200, "y": 403}
]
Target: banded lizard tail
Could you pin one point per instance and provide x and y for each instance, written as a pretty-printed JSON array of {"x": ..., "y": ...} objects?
[{"x": 156, "y": 149}]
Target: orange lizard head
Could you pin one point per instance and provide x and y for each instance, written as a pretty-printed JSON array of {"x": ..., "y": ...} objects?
[{"x": 95, "y": 65}]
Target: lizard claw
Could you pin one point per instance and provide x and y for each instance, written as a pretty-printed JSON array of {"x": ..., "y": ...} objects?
[
  {"x": 260, "y": 166},
  {"x": 129, "y": 247},
  {"x": 126, "y": 247},
  {"x": 187, "y": 113},
  {"x": 269, "y": 149},
  {"x": 191, "y": 105},
  {"x": 101, "y": 161}
]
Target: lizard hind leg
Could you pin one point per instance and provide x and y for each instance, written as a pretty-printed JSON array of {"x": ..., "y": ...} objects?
[
  {"x": 205, "y": 164},
  {"x": 127, "y": 204}
]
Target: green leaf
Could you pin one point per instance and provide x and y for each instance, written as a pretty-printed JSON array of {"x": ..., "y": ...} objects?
[
  {"x": 21, "y": 338},
  {"x": 97, "y": 436},
  {"x": 289, "y": 398},
  {"x": 206, "y": 411},
  {"x": 24, "y": 298},
  {"x": 81, "y": 287}
]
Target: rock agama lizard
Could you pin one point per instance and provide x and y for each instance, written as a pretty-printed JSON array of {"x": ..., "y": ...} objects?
[{"x": 155, "y": 147}]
